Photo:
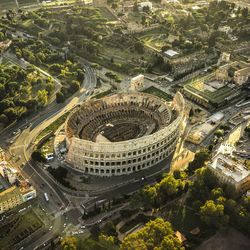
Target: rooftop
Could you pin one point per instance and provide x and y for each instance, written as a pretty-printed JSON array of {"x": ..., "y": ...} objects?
[
  {"x": 230, "y": 167},
  {"x": 171, "y": 53},
  {"x": 9, "y": 193}
]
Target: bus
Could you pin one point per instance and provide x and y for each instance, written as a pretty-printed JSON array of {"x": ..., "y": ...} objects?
[{"x": 46, "y": 196}]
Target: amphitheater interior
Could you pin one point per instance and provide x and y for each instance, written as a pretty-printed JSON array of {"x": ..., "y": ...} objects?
[{"x": 122, "y": 133}]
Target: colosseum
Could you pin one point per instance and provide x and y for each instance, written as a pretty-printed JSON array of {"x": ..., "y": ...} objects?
[{"x": 122, "y": 133}]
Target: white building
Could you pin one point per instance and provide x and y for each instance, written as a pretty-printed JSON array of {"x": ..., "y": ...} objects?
[
  {"x": 230, "y": 171},
  {"x": 171, "y": 53},
  {"x": 169, "y": 1},
  {"x": 142, "y": 5}
]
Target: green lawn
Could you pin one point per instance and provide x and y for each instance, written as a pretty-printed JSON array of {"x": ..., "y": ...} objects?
[
  {"x": 30, "y": 27},
  {"x": 139, "y": 219},
  {"x": 23, "y": 3},
  {"x": 106, "y": 13},
  {"x": 181, "y": 217},
  {"x": 53, "y": 126},
  {"x": 7, "y": 4},
  {"x": 10, "y": 4},
  {"x": 155, "y": 91}
]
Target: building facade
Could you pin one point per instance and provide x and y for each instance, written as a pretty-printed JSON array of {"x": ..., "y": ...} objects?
[
  {"x": 106, "y": 158},
  {"x": 230, "y": 171}
]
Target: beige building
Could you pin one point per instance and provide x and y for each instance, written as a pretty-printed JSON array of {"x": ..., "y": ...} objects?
[
  {"x": 137, "y": 82},
  {"x": 10, "y": 198},
  {"x": 15, "y": 196},
  {"x": 231, "y": 171},
  {"x": 240, "y": 71},
  {"x": 4, "y": 45}
]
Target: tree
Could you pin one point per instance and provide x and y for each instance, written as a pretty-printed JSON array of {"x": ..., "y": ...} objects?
[
  {"x": 139, "y": 47},
  {"x": 49, "y": 87},
  {"x": 244, "y": 12},
  {"x": 170, "y": 242},
  {"x": 2, "y": 91},
  {"x": 60, "y": 97},
  {"x": 2, "y": 36},
  {"x": 11, "y": 113},
  {"x": 38, "y": 156},
  {"x": 154, "y": 235},
  {"x": 74, "y": 86},
  {"x": 212, "y": 214},
  {"x": 219, "y": 133},
  {"x": 149, "y": 196},
  {"x": 4, "y": 119},
  {"x": 168, "y": 187},
  {"x": 109, "y": 229},
  {"x": 69, "y": 243},
  {"x": 216, "y": 193},
  {"x": 80, "y": 75},
  {"x": 107, "y": 241},
  {"x": 95, "y": 231},
  {"x": 199, "y": 160},
  {"x": 42, "y": 97}
]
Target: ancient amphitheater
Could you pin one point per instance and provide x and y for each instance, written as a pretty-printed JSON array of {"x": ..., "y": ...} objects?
[{"x": 123, "y": 133}]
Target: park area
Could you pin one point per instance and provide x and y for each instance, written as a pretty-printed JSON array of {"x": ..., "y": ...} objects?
[
  {"x": 157, "y": 92},
  {"x": 17, "y": 227},
  {"x": 154, "y": 39},
  {"x": 22, "y": 91},
  {"x": 11, "y": 4}
]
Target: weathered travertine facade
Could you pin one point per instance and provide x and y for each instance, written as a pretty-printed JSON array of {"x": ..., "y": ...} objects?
[{"x": 123, "y": 133}]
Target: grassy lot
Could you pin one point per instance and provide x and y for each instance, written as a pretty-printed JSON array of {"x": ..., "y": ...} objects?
[
  {"x": 106, "y": 13},
  {"x": 155, "y": 38},
  {"x": 181, "y": 217},
  {"x": 155, "y": 91},
  {"x": 134, "y": 17},
  {"x": 48, "y": 146},
  {"x": 53, "y": 126},
  {"x": 10, "y": 4},
  {"x": 23, "y": 3},
  {"x": 102, "y": 94},
  {"x": 30, "y": 27},
  {"x": 20, "y": 227},
  {"x": 157, "y": 42},
  {"x": 7, "y": 4},
  {"x": 139, "y": 219}
]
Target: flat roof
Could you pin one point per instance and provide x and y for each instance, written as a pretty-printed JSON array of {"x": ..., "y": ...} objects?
[
  {"x": 171, "y": 52},
  {"x": 229, "y": 167}
]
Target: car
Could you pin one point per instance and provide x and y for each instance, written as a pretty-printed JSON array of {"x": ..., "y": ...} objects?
[
  {"x": 83, "y": 227},
  {"x": 99, "y": 221},
  {"x": 50, "y": 228},
  {"x": 64, "y": 225}
]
